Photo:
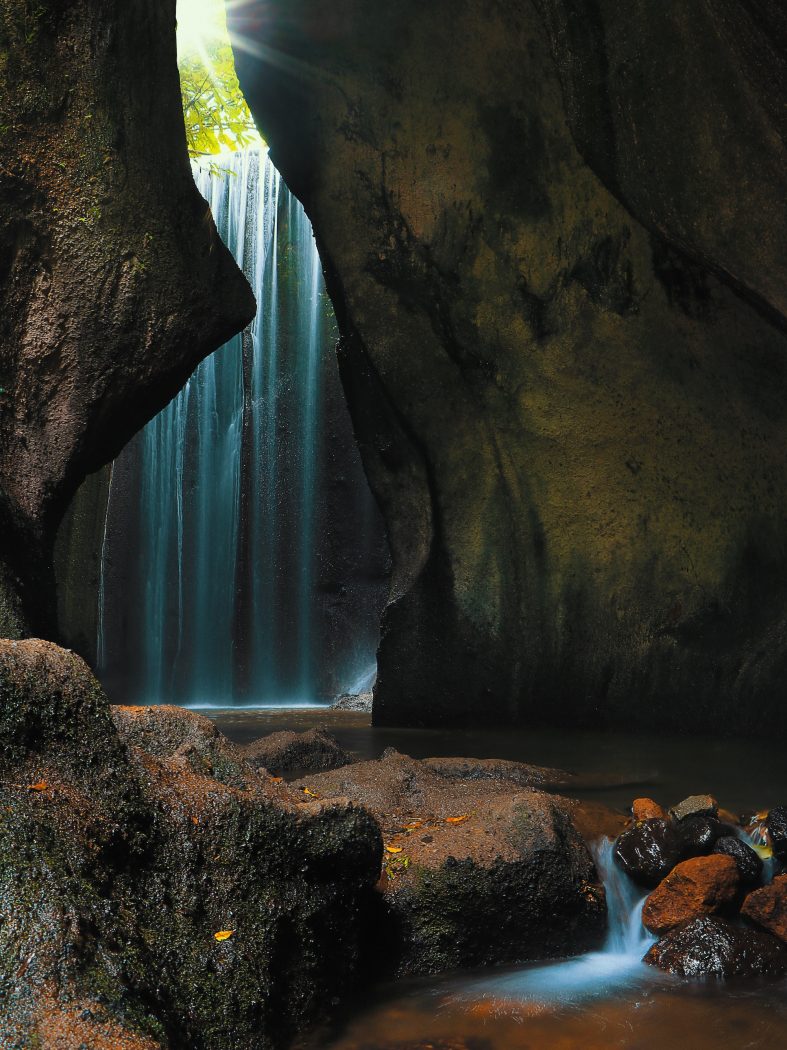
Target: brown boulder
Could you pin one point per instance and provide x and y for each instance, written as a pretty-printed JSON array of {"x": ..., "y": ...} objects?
[
  {"x": 476, "y": 871},
  {"x": 768, "y": 907},
  {"x": 647, "y": 809},
  {"x": 314, "y": 751},
  {"x": 700, "y": 886}
]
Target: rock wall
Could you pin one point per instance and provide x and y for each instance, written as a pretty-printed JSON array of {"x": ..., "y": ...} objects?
[
  {"x": 563, "y": 353},
  {"x": 113, "y": 282}
]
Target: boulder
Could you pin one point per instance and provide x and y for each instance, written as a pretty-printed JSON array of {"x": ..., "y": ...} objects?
[
  {"x": 695, "y": 806},
  {"x": 361, "y": 702},
  {"x": 767, "y": 907},
  {"x": 187, "y": 737},
  {"x": 477, "y": 870},
  {"x": 698, "y": 833},
  {"x": 700, "y": 886},
  {"x": 648, "y": 851},
  {"x": 712, "y": 946},
  {"x": 777, "y": 829},
  {"x": 144, "y": 896},
  {"x": 749, "y": 863},
  {"x": 313, "y": 751},
  {"x": 647, "y": 809}
]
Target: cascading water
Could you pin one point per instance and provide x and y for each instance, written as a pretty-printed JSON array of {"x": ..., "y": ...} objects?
[
  {"x": 596, "y": 974},
  {"x": 231, "y": 495}
]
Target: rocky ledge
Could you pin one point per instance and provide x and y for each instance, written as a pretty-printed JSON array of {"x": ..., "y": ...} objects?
[
  {"x": 159, "y": 888},
  {"x": 719, "y": 901},
  {"x": 155, "y": 889}
]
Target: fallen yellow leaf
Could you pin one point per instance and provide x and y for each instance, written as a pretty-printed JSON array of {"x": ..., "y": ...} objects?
[
  {"x": 223, "y": 935},
  {"x": 40, "y": 786},
  {"x": 393, "y": 849},
  {"x": 414, "y": 824},
  {"x": 276, "y": 780},
  {"x": 310, "y": 793},
  {"x": 457, "y": 820}
]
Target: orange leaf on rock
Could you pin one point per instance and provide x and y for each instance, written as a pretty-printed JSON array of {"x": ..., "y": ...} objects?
[
  {"x": 40, "y": 786},
  {"x": 310, "y": 793},
  {"x": 457, "y": 820},
  {"x": 393, "y": 849},
  {"x": 223, "y": 935}
]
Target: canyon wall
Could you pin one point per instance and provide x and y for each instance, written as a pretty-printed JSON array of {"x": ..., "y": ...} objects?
[
  {"x": 113, "y": 281},
  {"x": 554, "y": 236}
]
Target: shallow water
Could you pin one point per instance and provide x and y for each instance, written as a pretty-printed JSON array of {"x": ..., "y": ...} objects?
[
  {"x": 602, "y": 1000},
  {"x": 744, "y": 775}
]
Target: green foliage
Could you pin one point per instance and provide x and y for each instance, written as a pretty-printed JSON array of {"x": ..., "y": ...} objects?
[
  {"x": 217, "y": 117},
  {"x": 215, "y": 111}
]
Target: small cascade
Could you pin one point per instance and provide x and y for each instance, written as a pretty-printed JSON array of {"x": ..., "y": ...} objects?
[
  {"x": 597, "y": 974},
  {"x": 224, "y": 582},
  {"x": 626, "y": 936}
]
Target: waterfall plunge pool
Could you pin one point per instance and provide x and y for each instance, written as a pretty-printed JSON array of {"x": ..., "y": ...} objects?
[{"x": 601, "y": 1000}]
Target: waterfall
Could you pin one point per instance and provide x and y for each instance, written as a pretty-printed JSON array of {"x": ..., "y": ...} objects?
[
  {"x": 226, "y": 593},
  {"x": 594, "y": 975}
]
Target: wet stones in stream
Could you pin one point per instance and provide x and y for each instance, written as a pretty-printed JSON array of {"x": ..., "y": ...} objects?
[
  {"x": 649, "y": 851},
  {"x": 767, "y": 907},
  {"x": 712, "y": 946},
  {"x": 747, "y": 860},
  {"x": 700, "y": 886},
  {"x": 705, "y": 869}
]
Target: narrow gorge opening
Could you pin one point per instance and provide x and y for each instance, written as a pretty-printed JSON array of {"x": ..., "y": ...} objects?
[{"x": 242, "y": 559}]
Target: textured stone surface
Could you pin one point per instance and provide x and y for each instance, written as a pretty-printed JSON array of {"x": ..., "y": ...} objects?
[
  {"x": 313, "y": 751},
  {"x": 767, "y": 907},
  {"x": 777, "y": 829},
  {"x": 648, "y": 851},
  {"x": 574, "y": 428},
  {"x": 477, "y": 871},
  {"x": 710, "y": 946},
  {"x": 700, "y": 886},
  {"x": 695, "y": 806},
  {"x": 119, "y": 863},
  {"x": 647, "y": 809},
  {"x": 113, "y": 281},
  {"x": 698, "y": 834}
]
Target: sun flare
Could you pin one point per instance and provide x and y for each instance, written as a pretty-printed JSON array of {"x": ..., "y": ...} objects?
[{"x": 200, "y": 23}]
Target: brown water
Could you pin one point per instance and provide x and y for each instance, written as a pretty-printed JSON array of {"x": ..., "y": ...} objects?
[{"x": 599, "y": 1001}]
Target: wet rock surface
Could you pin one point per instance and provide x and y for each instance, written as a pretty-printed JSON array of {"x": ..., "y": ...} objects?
[
  {"x": 700, "y": 886},
  {"x": 777, "y": 829},
  {"x": 313, "y": 751},
  {"x": 698, "y": 833},
  {"x": 695, "y": 806},
  {"x": 477, "y": 870},
  {"x": 648, "y": 851},
  {"x": 647, "y": 809},
  {"x": 747, "y": 860},
  {"x": 711, "y": 946},
  {"x": 119, "y": 864},
  {"x": 767, "y": 907}
]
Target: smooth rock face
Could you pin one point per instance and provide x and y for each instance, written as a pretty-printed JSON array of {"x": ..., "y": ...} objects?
[
  {"x": 314, "y": 751},
  {"x": 648, "y": 851},
  {"x": 578, "y": 514},
  {"x": 749, "y": 864},
  {"x": 477, "y": 870},
  {"x": 113, "y": 281},
  {"x": 777, "y": 829},
  {"x": 695, "y": 806},
  {"x": 697, "y": 834},
  {"x": 700, "y": 886},
  {"x": 710, "y": 946},
  {"x": 768, "y": 907},
  {"x": 121, "y": 862}
]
